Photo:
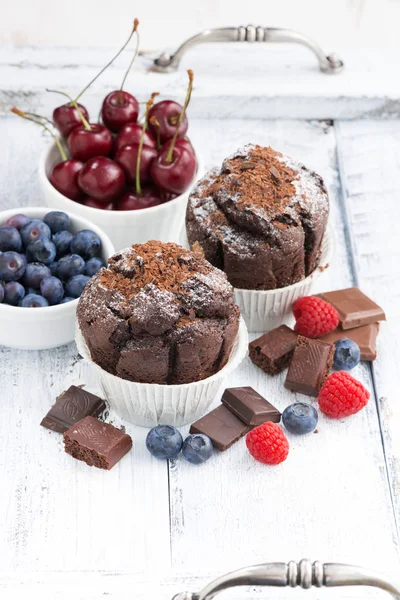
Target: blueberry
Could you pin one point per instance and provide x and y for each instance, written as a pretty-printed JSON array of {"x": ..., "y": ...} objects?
[
  {"x": 31, "y": 290},
  {"x": 10, "y": 239},
  {"x": 35, "y": 230},
  {"x": 197, "y": 448},
  {"x": 75, "y": 286},
  {"x": 43, "y": 251},
  {"x": 17, "y": 221},
  {"x": 67, "y": 299},
  {"x": 347, "y": 355},
  {"x": 93, "y": 265},
  {"x": 54, "y": 268},
  {"x": 52, "y": 289},
  {"x": 33, "y": 301},
  {"x": 164, "y": 441},
  {"x": 57, "y": 221},
  {"x": 86, "y": 243},
  {"x": 300, "y": 418},
  {"x": 1, "y": 292},
  {"x": 70, "y": 265},
  {"x": 13, "y": 292},
  {"x": 12, "y": 266},
  {"x": 62, "y": 241},
  {"x": 34, "y": 274}
]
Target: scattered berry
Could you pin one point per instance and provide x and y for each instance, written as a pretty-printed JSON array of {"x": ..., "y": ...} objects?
[
  {"x": 17, "y": 221},
  {"x": 300, "y": 418},
  {"x": 57, "y": 221},
  {"x": 342, "y": 395},
  {"x": 62, "y": 241},
  {"x": 10, "y": 239},
  {"x": 33, "y": 301},
  {"x": 347, "y": 355},
  {"x": 35, "y": 272},
  {"x": 52, "y": 289},
  {"x": 268, "y": 444},
  {"x": 75, "y": 286},
  {"x": 164, "y": 441},
  {"x": 35, "y": 230},
  {"x": 197, "y": 448},
  {"x": 13, "y": 293},
  {"x": 70, "y": 265},
  {"x": 93, "y": 265},
  {"x": 314, "y": 317},
  {"x": 43, "y": 251},
  {"x": 86, "y": 243},
  {"x": 12, "y": 266}
]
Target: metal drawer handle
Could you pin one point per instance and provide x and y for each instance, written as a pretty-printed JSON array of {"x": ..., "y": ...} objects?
[
  {"x": 169, "y": 62},
  {"x": 304, "y": 574}
]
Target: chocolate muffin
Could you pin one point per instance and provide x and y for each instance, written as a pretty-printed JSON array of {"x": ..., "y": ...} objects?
[
  {"x": 260, "y": 218},
  {"x": 159, "y": 314}
]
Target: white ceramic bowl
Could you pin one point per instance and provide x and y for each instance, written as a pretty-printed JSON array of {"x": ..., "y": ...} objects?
[
  {"x": 50, "y": 326},
  {"x": 125, "y": 227},
  {"x": 150, "y": 404}
]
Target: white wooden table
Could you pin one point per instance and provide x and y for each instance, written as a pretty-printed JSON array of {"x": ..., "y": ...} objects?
[{"x": 148, "y": 528}]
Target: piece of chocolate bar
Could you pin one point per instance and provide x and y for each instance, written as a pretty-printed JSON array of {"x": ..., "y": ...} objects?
[
  {"x": 355, "y": 308},
  {"x": 310, "y": 366},
  {"x": 73, "y": 405},
  {"x": 222, "y": 427},
  {"x": 96, "y": 443},
  {"x": 364, "y": 336},
  {"x": 273, "y": 351},
  {"x": 250, "y": 406}
]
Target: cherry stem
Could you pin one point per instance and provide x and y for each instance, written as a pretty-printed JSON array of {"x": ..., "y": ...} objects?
[
  {"x": 135, "y": 29},
  {"x": 156, "y": 124},
  {"x": 45, "y": 119},
  {"x": 75, "y": 105},
  {"x": 26, "y": 116},
  {"x": 135, "y": 24},
  {"x": 149, "y": 104},
  {"x": 178, "y": 124}
]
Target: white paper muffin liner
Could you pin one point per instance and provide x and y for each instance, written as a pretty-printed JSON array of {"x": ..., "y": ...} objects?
[{"x": 150, "y": 404}]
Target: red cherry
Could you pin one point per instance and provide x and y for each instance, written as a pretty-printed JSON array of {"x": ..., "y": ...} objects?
[
  {"x": 102, "y": 179},
  {"x": 66, "y": 118},
  {"x": 133, "y": 201},
  {"x": 174, "y": 176},
  {"x": 166, "y": 196},
  {"x": 166, "y": 114},
  {"x": 118, "y": 109},
  {"x": 86, "y": 143},
  {"x": 130, "y": 134},
  {"x": 93, "y": 203},
  {"x": 127, "y": 157},
  {"x": 64, "y": 177},
  {"x": 181, "y": 143}
]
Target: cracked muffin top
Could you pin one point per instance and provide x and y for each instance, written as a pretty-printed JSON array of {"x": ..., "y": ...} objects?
[
  {"x": 260, "y": 217},
  {"x": 153, "y": 303}
]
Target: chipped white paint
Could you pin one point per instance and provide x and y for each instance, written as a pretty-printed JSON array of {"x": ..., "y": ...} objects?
[{"x": 148, "y": 530}]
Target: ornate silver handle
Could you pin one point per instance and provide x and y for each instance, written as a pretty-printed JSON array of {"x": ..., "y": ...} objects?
[
  {"x": 304, "y": 574},
  {"x": 330, "y": 64}
]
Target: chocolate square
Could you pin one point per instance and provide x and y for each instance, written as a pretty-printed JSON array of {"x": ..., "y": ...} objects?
[
  {"x": 365, "y": 336},
  {"x": 273, "y": 351},
  {"x": 354, "y": 307},
  {"x": 310, "y": 366},
  {"x": 96, "y": 443},
  {"x": 222, "y": 427},
  {"x": 73, "y": 405},
  {"x": 250, "y": 406}
]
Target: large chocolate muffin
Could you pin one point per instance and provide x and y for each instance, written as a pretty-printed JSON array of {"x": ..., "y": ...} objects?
[
  {"x": 159, "y": 314},
  {"x": 260, "y": 218}
]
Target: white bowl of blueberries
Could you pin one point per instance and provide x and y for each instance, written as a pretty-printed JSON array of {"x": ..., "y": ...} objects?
[{"x": 46, "y": 259}]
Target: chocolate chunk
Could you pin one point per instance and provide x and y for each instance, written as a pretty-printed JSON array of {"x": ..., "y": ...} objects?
[
  {"x": 364, "y": 336},
  {"x": 73, "y": 405},
  {"x": 222, "y": 427},
  {"x": 354, "y": 307},
  {"x": 273, "y": 351},
  {"x": 250, "y": 406},
  {"x": 310, "y": 366},
  {"x": 96, "y": 443}
]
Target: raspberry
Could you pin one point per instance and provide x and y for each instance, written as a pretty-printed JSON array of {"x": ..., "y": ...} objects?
[
  {"x": 268, "y": 444},
  {"x": 314, "y": 317},
  {"x": 342, "y": 395}
]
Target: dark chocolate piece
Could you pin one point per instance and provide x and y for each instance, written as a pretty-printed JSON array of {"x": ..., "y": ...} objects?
[
  {"x": 273, "y": 351},
  {"x": 310, "y": 366},
  {"x": 222, "y": 427},
  {"x": 354, "y": 307},
  {"x": 364, "y": 336},
  {"x": 96, "y": 443},
  {"x": 250, "y": 406},
  {"x": 73, "y": 405}
]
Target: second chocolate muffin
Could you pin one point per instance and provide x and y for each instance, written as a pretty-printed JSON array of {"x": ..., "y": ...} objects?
[
  {"x": 260, "y": 218},
  {"x": 159, "y": 314}
]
